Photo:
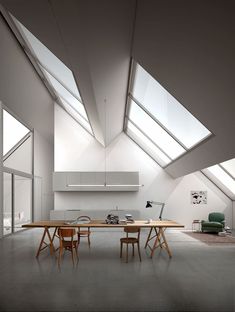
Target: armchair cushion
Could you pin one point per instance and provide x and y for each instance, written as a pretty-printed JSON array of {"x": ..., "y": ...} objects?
[
  {"x": 216, "y": 216},
  {"x": 215, "y": 223}
]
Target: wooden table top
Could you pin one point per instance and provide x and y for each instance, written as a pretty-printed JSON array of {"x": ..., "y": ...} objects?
[{"x": 102, "y": 224}]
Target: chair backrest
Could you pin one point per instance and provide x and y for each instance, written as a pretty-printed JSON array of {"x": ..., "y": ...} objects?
[
  {"x": 84, "y": 218},
  {"x": 132, "y": 229},
  {"x": 66, "y": 232},
  {"x": 216, "y": 217}
]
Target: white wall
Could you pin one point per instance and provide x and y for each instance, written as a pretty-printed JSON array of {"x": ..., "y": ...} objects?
[
  {"x": 179, "y": 205},
  {"x": 43, "y": 168},
  {"x": 24, "y": 94},
  {"x": 76, "y": 150}
]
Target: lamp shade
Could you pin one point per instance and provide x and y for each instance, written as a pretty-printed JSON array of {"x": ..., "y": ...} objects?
[{"x": 148, "y": 205}]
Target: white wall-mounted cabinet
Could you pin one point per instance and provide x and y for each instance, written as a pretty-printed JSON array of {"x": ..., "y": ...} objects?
[{"x": 96, "y": 181}]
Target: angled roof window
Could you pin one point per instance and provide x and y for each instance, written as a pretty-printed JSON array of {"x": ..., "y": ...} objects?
[
  {"x": 154, "y": 132},
  {"x": 137, "y": 135},
  {"x": 229, "y": 167},
  {"x": 13, "y": 132},
  {"x": 222, "y": 179},
  {"x": 84, "y": 122},
  {"x": 223, "y": 175},
  {"x": 48, "y": 60},
  {"x": 160, "y": 117},
  {"x": 59, "y": 76},
  {"x": 66, "y": 95}
]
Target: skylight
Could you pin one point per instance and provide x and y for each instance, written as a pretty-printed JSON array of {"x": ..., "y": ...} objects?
[
  {"x": 13, "y": 132},
  {"x": 48, "y": 60},
  {"x": 66, "y": 95},
  {"x": 158, "y": 155},
  {"x": 161, "y": 118},
  {"x": 223, "y": 175},
  {"x": 155, "y": 132},
  {"x": 229, "y": 166},
  {"x": 59, "y": 76},
  {"x": 76, "y": 115}
]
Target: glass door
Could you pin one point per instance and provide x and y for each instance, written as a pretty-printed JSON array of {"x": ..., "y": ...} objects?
[{"x": 22, "y": 201}]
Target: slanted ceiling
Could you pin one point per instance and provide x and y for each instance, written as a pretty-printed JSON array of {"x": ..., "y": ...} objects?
[{"x": 188, "y": 46}]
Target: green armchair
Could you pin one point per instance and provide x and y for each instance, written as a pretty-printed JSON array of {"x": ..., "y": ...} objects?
[{"x": 215, "y": 223}]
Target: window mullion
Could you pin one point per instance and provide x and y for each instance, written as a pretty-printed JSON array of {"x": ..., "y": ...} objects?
[
  {"x": 226, "y": 171},
  {"x": 154, "y": 143},
  {"x": 157, "y": 121}
]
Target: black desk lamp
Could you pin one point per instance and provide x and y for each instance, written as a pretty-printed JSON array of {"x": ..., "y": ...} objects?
[{"x": 149, "y": 205}]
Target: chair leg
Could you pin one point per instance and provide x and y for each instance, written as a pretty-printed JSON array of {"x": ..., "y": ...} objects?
[
  {"x": 59, "y": 258},
  {"x": 121, "y": 250},
  {"x": 72, "y": 254},
  {"x": 133, "y": 250},
  {"x": 138, "y": 245},
  {"x": 89, "y": 242},
  {"x": 76, "y": 252},
  {"x": 126, "y": 253}
]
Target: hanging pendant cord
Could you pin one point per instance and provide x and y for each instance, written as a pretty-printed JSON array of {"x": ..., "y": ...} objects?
[{"x": 105, "y": 169}]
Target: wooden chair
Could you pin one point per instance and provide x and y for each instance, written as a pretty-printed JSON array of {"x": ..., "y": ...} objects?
[
  {"x": 84, "y": 232},
  {"x": 130, "y": 240},
  {"x": 66, "y": 243}
]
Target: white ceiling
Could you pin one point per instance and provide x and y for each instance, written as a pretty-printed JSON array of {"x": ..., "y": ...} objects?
[{"x": 188, "y": 46}]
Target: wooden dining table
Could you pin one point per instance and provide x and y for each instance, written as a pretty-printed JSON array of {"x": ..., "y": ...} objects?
[{"x": 156, "y": 236}]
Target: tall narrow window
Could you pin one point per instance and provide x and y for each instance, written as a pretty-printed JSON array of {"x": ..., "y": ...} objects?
[{"x": 161, "y": 118}]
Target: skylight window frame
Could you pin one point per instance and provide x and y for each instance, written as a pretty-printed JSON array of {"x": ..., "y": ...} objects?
[
  {"x": 27, "y": 48},
  {"x": 60, "y": 98},
  {"x": 131, "y": 81},
  {"x": 154, "y": 119},
  {"x": 154, "y": 143},
  {"x": 134, "y": 65},
  {"x": 133, "y": 140},
  {"x": 213, "y": 182},
  {"x": 142, "y": 147},
  {"x": 127, "y": 119},
  {"x": 228, "y": 173},
  {"x": 44, "y": 71},
  {"x": 218, "y": 183},
  {"x": 56, "y": 78}
]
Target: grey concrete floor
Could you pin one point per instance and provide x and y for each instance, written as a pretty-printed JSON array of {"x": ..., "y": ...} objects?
[{"x": 197, "y": 278}]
